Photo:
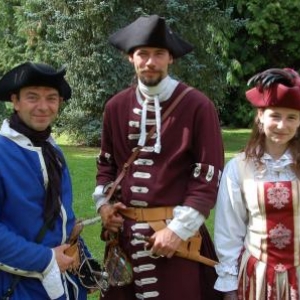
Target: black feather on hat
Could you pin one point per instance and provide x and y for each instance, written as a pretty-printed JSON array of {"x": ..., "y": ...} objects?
[
  {"x": 275, "y": 87},
  {"x": 34, "y": 74},
  {"x": 149, "y": 31}
]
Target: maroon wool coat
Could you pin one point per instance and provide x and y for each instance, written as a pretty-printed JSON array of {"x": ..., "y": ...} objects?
[
  {"x": 186, "y": 172},
  {"x": 190, "y": 135}
]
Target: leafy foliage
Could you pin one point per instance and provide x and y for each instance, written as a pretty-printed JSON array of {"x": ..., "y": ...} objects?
[
  {"x": 75, "y": 33},
  {"x": 266, "y": 37},
  {"x": 98, "y": 71},
  {"x": 233, "y": 39}
]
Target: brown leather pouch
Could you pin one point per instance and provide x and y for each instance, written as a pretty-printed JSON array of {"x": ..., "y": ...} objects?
[{"x": 73, "y": 251}]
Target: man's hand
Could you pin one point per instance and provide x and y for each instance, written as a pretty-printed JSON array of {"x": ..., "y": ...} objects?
[
  {"x": 64, "y": 261},
  {"x": 232, "y": 295},
  {"x": 110, "y": 216},
  {"x": 165, "y": 242}
]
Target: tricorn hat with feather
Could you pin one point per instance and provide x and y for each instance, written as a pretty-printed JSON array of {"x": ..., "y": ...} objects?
[{"x": 275, "y": 88}]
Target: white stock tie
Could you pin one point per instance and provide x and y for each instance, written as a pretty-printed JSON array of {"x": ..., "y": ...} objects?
[
  {"x": 157, "y": 94},
  {"x": 143, "y": 136}
]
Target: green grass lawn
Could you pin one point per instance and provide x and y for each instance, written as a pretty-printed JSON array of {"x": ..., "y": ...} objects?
[{"x": 82, "y": 165}]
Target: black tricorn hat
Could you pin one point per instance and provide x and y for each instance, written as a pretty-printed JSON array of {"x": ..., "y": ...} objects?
[
  {"x": 34, "y": 74},
  {"x": 149, "y": 31}
]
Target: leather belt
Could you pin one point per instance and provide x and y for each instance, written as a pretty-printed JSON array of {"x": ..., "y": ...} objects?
[
  {"x": 148, "y": 214},
  {"x": 155, "y": 217}
]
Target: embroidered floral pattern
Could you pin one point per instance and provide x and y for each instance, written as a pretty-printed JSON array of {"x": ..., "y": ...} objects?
[
  {"x": 278, "y": 195},
  {"x": 280, "y": 236},
  {"x": 280, "y": 268}
]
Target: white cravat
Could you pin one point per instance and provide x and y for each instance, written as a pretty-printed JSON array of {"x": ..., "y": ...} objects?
[{"x": 155, "y": 94}]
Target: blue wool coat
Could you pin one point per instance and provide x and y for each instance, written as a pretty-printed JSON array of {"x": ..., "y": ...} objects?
[{"x": 23, "y": 178}]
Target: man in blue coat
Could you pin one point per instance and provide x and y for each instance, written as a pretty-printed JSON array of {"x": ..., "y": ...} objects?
[{"x": 36, "y": 215}]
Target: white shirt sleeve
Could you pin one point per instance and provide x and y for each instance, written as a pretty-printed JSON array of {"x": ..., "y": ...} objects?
[
  {"x": 186, "y": 221},
  {"x": 51, "y": 281},
  {"x": 230, "y": 227},
  {"x": 99, "y": 197}
]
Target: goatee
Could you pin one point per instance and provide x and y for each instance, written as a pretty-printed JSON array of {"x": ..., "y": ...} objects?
[{"x": 150, "y": 81}]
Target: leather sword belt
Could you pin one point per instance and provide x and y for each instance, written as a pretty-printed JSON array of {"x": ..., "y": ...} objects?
[
  {"x": 155, "y": 217},
  {"x": 148, "y": 214}
]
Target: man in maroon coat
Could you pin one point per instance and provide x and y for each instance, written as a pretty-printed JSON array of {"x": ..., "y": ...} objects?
[{"x": 177, "y": 169}]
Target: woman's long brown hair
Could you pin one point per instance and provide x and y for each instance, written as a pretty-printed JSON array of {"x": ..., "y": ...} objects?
[{"x": 255, "y": 147}]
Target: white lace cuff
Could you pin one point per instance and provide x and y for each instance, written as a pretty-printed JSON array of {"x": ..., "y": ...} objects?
[
  {"x": 227, "y": 283},
  {"x": 228, "y": 278}
]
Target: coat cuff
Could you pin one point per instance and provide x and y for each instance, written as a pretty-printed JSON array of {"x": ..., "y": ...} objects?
[
  {"x": 52, "y": 282},
  {"x": 228, "y": 278}
]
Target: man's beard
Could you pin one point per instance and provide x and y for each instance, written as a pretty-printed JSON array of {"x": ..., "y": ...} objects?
[{"x": 151, "y": 81}]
